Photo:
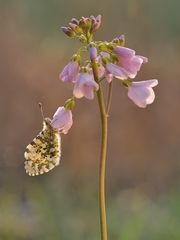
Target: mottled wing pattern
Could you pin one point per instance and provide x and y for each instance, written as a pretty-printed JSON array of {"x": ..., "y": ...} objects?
[{"x": 44, "y": 152}]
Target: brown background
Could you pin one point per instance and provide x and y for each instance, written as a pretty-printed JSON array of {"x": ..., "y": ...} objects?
[{"x": 143, "y": 165}]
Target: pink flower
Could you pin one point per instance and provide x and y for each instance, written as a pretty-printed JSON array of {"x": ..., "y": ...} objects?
[
  {"x": 62, "y": 120},
  {"x": 141, "y": 93},
  {"x": 129, "y": 63},
  {"x": 85, "y": 86},
  {"x": 70, "y": 72}
]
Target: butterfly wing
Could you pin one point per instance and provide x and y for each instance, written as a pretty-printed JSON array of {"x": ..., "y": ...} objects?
[{"x": 44, "y": 152}]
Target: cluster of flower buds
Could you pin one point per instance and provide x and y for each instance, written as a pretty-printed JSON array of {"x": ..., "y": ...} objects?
[
  {"x": 119, "y": 40},
  {"x": 112, "y": 59},
  {"x": 83, "y": 28}
]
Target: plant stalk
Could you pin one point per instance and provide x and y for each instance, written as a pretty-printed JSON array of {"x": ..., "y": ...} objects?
[
  {"x": 109, "y": 98},
  {"x": 103, "y": 153}
]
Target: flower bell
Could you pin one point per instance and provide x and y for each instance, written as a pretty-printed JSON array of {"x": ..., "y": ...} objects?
[
  {"x": 141, "y": 93},
  {"x": 71, "y": 70},
  {"x": 85, "y": 86},
  {"x": 62, "y": 120},
  {"x": 128, "y": 63}
]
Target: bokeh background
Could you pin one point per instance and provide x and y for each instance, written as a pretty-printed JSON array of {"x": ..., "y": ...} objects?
[{"x": 143, "y": 165}]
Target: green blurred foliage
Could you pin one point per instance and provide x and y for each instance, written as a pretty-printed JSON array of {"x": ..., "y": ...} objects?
[{"x": 143, "y": 167}]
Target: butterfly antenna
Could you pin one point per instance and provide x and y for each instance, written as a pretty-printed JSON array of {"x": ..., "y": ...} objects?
[{"x": 41, "y": 108}]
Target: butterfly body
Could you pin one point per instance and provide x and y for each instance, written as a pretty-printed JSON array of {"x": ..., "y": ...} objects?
[{"x": 44, "y": 152}]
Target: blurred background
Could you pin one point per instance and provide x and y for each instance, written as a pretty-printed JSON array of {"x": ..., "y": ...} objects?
[{"x": 143, "y": 165}]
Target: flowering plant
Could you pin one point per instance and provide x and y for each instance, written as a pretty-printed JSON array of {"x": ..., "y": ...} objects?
[{"x": 107, "y": 60}]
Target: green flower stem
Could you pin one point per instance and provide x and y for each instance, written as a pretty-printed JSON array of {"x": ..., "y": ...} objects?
[
  {"x": 102, "y": 155},
  {"x": 109, "y": 98}
]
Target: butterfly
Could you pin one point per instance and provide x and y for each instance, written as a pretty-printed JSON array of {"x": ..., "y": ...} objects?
[{"x": 44, "y": 152}]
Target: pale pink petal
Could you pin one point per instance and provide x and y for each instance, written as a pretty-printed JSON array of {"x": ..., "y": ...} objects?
[
  {"x": 101, "y": 71},
  {"x": 99, "y": 18},
  {"x": 132, "y": 66},
  {"x": 63, "y": 74},
  {"x": 70, "y": 72},
  {"x": 124, "y": 52},
  {"x": 146, "y": 83},
  {"x": 91, "y": 83},
  {"x": 117, "y": 71},
  {"x": 67, "y": 127},
  {"x": 145, "y": 59},
  {"x": 141, "y": 96},
  {"x": 77, "y": 92},
  {"x": 88, "y": 92},
  {"x": 108, "y": 76}
]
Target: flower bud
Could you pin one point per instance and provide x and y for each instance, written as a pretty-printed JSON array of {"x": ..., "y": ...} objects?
[
  {"x": 88, "y": 23},
  {"x": 114, "y": 58},
  {"x": 68, "y": 31},
  {"x": 115, "y": 40},
  {"x": 103, "y": 47},
  {"x": 122, "y": 40},
  {"x": 93, "y": 53},
  {"x": 69, "y": 104},
  {"x": 74, "y": 21},
  {"x": 105, "y": 60},
  {"x": 84, "y": 69},
  {"x": 82, "y": 38},
  {"x": 119, "y": 40},
  {"x": 93, "y": 19},
  {"x": 75, "y": 28},
  {"x": 97, "y": 23},
  {"x": 127, "y": 83},
  {"x": 76, "y": 58},
  {"x": 82, "y": 22},
  {"x": 85, "y": 24}
]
